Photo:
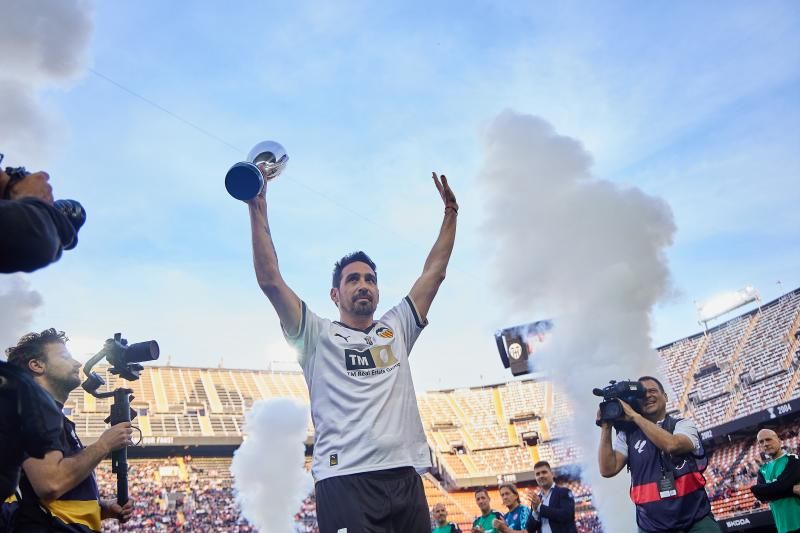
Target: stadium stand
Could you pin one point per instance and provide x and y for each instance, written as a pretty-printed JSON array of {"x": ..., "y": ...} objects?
[{"x": 734, "y": 370}]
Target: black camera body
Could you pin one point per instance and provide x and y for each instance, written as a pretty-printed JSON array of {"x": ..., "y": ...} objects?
[{"x": 610, "y": 408}]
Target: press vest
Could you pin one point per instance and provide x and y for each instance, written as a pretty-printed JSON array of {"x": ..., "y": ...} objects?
[{"x": 648, "y": 465}]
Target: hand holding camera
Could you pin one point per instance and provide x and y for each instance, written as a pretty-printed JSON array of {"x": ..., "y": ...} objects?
[
  {"x": 23, "y": 184},
  {"x": 620, "y": 404},
  {"x": 35, "y": 228}
]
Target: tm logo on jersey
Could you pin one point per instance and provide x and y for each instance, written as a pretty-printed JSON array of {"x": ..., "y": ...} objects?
[{"x": 376, "y": 360}]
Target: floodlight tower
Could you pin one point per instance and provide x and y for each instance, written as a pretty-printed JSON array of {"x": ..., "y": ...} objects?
[{"x": 723, "y": 303}]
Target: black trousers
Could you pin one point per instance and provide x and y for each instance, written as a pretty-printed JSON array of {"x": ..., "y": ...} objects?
[{"x": 384, "y": 501}]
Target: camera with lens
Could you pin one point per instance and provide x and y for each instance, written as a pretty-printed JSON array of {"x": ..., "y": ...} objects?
[
  {"x": 610, "y": 408},
  {"x": 124, "y": 359},
  {"x": 71, "y": 209}
]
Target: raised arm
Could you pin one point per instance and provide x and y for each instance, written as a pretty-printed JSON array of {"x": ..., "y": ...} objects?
[
  {"x": 265, "y": 260},
  {"x": 433, "y": 273}
]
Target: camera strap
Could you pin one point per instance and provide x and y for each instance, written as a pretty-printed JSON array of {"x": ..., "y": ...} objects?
[{"x": 666, "y": 485}]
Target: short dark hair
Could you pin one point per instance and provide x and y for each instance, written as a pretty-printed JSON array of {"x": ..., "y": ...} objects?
[
  {"x": 543, "y": 463},
  {"x": 352, "y": 257},
  {"x": 32, "y": 345},
  {"x": 481, "y": 489},
  {"x": 651, "y": 378}
]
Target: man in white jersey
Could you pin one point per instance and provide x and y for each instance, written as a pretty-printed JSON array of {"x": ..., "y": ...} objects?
[{"x": 369, "y": 443}]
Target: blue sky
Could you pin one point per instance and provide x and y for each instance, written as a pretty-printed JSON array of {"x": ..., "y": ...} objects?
[{"x": 697, "y": 104}]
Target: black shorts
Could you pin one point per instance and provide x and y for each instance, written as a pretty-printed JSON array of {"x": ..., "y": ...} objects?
[{"x": 384, "y": 501}]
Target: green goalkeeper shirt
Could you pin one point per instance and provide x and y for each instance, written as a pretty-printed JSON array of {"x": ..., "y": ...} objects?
[{"x": 786, "y": 511}]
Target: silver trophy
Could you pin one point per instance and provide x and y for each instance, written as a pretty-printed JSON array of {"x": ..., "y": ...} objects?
[{"x": 245, "y": 180}]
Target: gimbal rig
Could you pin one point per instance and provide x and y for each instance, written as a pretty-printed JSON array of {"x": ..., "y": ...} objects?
[{"x": 124, "y": 360}]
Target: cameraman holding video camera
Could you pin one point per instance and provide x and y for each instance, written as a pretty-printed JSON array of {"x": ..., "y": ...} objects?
[
  {"x": 665, "y": 458},
  {"x": 59, "y": 491},
  {"x": 34, "y": 229}
]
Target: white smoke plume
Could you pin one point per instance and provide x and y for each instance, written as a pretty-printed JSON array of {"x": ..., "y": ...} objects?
[
  {"x": 18, "y": 303},
  {"x": 43, "y": 44},
  {"x": 269, "y": 479},
  {"x": 590, "y": 255}
]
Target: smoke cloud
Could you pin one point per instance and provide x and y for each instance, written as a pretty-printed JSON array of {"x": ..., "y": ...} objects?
[
  {"x": 18, "y": 303},
  {"x": 269, "y": 479},
  {"x": 43, "y": 44},
  {"x": 587, "y": 253}
]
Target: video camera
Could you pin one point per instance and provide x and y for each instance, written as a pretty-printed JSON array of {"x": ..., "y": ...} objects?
[
  {"x": 71, "y": 209},
  {"x": 124, "y": 360},
  {"x": 610, "y": 408}
]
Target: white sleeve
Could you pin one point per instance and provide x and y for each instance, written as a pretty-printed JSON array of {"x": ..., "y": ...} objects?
[
  {"x": 405, "y": 318},
  {"x": 307, "y": 337},
  {"x": 620, "y": 443},
  {"x": 687, "y": 427}
]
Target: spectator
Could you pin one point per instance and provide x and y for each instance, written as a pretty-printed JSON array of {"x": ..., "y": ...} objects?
[
  {"x": 516, "y": 519},
  {"x": 552, "y": 510},
  {"x": 779, "y": 482},
  {"x": 439, "y": 512},
  {"x": 483, "y": 523}
]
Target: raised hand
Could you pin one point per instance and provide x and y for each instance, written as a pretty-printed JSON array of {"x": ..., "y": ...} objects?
[{"x": 448, "y": 197}]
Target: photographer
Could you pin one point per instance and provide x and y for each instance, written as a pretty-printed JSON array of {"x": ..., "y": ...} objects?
[
  {"x": 59, "y": 491},
  {"x": 34, "y": 230},
  {"x": 665, "y": 457}
]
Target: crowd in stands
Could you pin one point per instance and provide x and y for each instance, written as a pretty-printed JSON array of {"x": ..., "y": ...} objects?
[{"x": 169, "y": 496}]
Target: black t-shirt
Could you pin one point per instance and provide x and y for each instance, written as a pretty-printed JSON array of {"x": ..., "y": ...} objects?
[{"x": 31, "y": 424}]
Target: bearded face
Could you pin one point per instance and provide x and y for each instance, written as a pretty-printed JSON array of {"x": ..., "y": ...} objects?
[{"x": 357, "y": 293}]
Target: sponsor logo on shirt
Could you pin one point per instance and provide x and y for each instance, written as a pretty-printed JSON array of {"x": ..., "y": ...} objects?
[
  {"x": 334, "y": 459},
  {"x": 371, "y": 362},
  {"x": 342, "y": 336}
]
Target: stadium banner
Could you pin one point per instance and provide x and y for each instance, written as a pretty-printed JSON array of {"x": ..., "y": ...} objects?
[
  {"x": 774, "y": 413},
  {"x": 747, "y": 521},
  {"x": 517, "y": 345},
  {"x": 182, "y": 441}
]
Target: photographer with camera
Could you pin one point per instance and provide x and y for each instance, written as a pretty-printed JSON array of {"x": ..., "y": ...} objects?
[
  {"x": 34, "y": 229},
  {"x": 665, "y": 458},
  {"x": 59, "y": 491}
]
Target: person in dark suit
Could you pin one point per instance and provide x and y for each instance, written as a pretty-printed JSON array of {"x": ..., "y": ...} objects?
[{"x": 552, "y": 509}]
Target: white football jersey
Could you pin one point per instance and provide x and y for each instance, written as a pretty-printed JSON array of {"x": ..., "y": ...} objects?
[{"x": 363, "y": 403}]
